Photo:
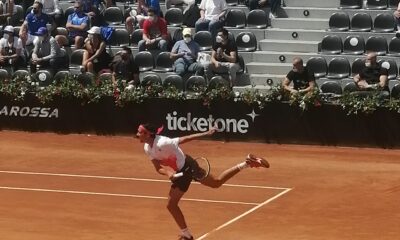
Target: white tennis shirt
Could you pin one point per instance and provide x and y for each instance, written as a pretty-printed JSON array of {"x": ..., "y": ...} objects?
[{"x": 167, "y": 151}]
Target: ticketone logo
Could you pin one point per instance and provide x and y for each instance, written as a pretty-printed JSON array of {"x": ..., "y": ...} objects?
[
  {"x": 202, "y": 124},
  {"x": 40, "y": 112}
]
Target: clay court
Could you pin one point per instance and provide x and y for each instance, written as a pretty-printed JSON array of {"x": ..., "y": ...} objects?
[{"x": 55, "y": 187}]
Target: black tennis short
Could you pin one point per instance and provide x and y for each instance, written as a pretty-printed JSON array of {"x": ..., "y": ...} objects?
[{"x": 183, "y": 182}]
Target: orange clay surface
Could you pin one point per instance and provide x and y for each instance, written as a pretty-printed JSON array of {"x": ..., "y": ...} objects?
[{"x": 85, "y": 187}]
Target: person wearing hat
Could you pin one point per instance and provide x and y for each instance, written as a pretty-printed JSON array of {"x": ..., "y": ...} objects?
[
  {"x": 95, "y": 57},
  {"x": 47, "y": 53},
  {"x": 155, "y": 33},
  {"x": 33, "y": 21},
  {"x": 185, "y": 53},
  {"x": 11, "y": 53}
]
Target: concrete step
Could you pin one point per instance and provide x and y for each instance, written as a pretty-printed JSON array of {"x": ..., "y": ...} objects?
[
  {"x": 252, "y": 88},
  {"x": 300, "y": 23},
  {"x": 268, "y": 68},
  {"x": 318, "y": 12},
  {"x": 288, "y": 45},
  {"x": 313, "y": 3},
  {"x": 268, "y": 80}
]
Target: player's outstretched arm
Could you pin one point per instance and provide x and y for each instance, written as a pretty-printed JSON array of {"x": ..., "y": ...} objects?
[{"x": 191, "y": 137}]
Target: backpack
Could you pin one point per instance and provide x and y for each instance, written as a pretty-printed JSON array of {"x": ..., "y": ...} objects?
[{"x": 191, "y": 15}]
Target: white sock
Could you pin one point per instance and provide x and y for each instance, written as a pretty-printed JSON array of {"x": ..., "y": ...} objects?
[
  {"x": 242, "y": 165},
  {"x": 186, "y": 233}
]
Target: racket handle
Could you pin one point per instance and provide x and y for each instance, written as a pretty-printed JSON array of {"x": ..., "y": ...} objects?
[{"x": 177, "y": 175}]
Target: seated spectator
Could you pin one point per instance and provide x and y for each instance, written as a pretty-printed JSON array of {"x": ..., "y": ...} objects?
[
  {"x": 52, "y": 8},
  {"x": 169, "y": 3},
  {"x": 92, "y": 9},
  {"x": 125, "y": 71},
  {"x": 185, "y": 52},
  {"x": 7, "y": 10},
  {"x": 155, "y": 33},
  {"x": 212, "y": 16},
  {"x": 372, "y": 76},
  {"x": 273, "y": 4},
  {"x": 77, "y": 25},
  {"x": 11, "y": 54},
  {"x": 95, "y": 56},
  {"x": 303, "y": 80},
  {"x": 33, "y": 21},
  {"x": 141, "y": 13},
  {"x": 47, "y": 53},
  {"x": 224, "y": 57},
  {"x": 397, "y": 16}
]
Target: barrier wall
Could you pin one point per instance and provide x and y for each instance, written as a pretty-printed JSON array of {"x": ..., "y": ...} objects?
[{"x": 275, "y": 123}]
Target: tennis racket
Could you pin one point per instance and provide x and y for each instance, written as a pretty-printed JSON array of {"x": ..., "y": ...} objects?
[{"x": 199, "y": 170}]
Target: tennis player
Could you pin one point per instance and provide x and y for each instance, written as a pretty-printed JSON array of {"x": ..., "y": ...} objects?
[{"x": 169, "y": 159}]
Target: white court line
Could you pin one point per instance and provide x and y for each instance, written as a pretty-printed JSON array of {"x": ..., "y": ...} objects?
[
  {"x": 122, "y": 195},
  {"x": 244, "y": 214},
  {"x": 130, "y": 179}
]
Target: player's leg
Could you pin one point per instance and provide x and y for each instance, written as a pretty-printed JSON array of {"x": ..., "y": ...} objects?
[{"x": 251, "y": 162}]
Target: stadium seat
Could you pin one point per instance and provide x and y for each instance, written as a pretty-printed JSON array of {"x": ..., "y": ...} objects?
[
  {"x": 376, "y": 44},
  {"x": 119, "y": 38},
  {"x": 18, "y": 18},
  {"x": 61, "y": 31},
  {"x": 173, "y": 80},
  {"x": 246, "y": 42},
  {"x": 232, "y": 2},
  {"x": 28, "y": 10},
  {"x": 61, "y": 76},
  {"x": 105, "y": 77},
  {"x": 4, "y": 74},
  {"x": 339, "y": 21},
  {"x": 242, "y": 65},
  {"x": 350, "y": 87},
  {"x": 384, "y": 22},
  {"x": 151, "y": 79},
  {"x": 338, "y": 68},
  {"x": 394, "y": 47},
  {"x": 68, "y": 12},
  {"x": 257, "y": 19},
  {"x": 204, "y": 39},
  {"x": 351, "y": 4},
  {"x": 136, "y": 36},
  {"x": 354, "y": 45},
  {"x": 76, "y": 59},
  {"x": 376, "y": 4},
  {"x": 144, "y": 60},
  {"x": 392, "y": 4},
  {"x": 331, "y": 87},
  {"x": 86, "y": 78},
  {"x": 113, "y": 16},
  {"x": 357, "y": 65},
  {"x": 195, "y": 83},
  {"x": 318, "y": 66},
  {"x": 235, "y": 18},
  {"x": 164, "y": 63},
  {"x": 44, "y": 77},
  {"x": 21, "y": 73},
  {"x": 361, "y": 22},
  {"x": 395, "y": 91},
  {"x": 391, "y": 66},
  {"x": 331, "y": 44},
  {"x": 218, "y": 82},
  {"x": 174, "y": 17}
]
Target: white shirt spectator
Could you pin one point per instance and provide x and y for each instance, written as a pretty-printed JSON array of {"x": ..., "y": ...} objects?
[
  {"x": 17, "y": 44},
  {"x": 212, "y": 8},
  {"x": 50, "y": 7}
]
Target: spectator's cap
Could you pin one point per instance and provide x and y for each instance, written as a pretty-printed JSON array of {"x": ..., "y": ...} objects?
[
  {"x": 9, "y": 29},
  {"x": 41, "y": 31},
  {"x": 94, "y": 30},
  {"x": 187, "y": 31}
]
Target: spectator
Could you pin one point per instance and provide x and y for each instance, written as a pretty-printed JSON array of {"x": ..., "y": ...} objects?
[
  {"x": 303, "y": 80},
  {"x": 124, "y": 69},
  {"x": 92, "y": 9},
  {"x": 141, "y": 13},
  {"x": 212, "y": 16},
  {"x": 33, "y": 21},
  {"x": 273, "y": 4},
  {"x": 185, "y": 54},
  {"x": 7, "y": 10},
  {"x": 52, "y": 8},
  {"x": 77, "y": 25},
  {"x": 47, "y": 53},
  {"x": 11, "y": 54},
  {"x": 155, "y": 33},
  {"x": 372, "y": 76},
  {"x": 224, "y": 57},
  {"x": 95, "y": 57},
  {"x": 397, "y": 16}
]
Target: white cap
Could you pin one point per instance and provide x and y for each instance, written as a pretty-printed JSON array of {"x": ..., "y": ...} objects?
[
  {"x": 94, "y": 30},
  {"x": 9, "y": 28}
]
